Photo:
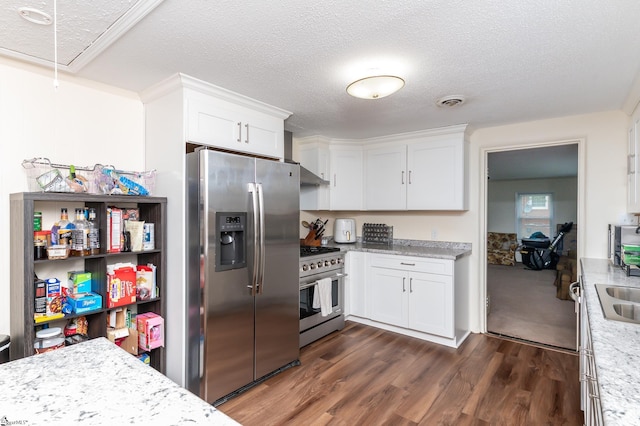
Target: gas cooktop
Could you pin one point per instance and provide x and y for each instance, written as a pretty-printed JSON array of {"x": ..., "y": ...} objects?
[{"x": 313, "y": 250}]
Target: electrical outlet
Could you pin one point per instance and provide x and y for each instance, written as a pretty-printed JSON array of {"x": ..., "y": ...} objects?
[
  {"x": 434, "y": 234},
  {"x": 628, "y": 219}
]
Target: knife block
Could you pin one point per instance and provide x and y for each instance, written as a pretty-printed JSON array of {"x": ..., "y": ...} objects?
[{"x": 310, "y": 239}]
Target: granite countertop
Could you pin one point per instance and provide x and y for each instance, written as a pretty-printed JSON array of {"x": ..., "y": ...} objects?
[
  {"x": 419, "y": 248},
  {"x": 96, "y": 383},
  {"x": 616, "y": 346}
]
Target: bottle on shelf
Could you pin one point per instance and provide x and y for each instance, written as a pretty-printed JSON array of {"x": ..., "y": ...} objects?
[
  {"x": 80, "y": 235},
  {"x": 61, "y": 230},
  {"x": 94, "y": 233}
]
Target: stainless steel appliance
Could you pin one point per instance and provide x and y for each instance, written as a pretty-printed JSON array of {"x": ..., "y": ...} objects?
[
  {"x": 242, "y": 249},
  {"x": 619, "y": 235},
  {"x": 317, "y": 263}
]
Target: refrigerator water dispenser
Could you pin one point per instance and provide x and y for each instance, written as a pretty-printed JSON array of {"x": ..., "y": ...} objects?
[{"x": 231, "y": 237}]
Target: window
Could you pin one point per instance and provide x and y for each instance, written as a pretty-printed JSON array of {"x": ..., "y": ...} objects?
[{"x": 534, "y": 213}]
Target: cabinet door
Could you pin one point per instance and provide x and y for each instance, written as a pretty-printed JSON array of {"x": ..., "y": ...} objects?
[
  {"x": 315, "y": 157},
  {"x": 386, "y": 178},
  {"x": 387, "y": 296},
  {"x": 263, "y": 134},
  {"x": 437, "y": 175},
  {"x": 355, "y": 288},
  {"x": 633, "y": 161},
  {"x": 346, "y": 188},
  {"x": 210, "y": 122},
  {"x": 431, "y": 303}
]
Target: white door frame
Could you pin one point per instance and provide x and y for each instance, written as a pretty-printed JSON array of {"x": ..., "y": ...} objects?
[{"x": 484, "y": 155}]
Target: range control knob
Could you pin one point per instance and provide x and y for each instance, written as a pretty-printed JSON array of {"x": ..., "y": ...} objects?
[
  {"x": 312, "y": 266},
  {"x": 305, "y": 267},
  {"x": 326, "y": 263},
  {"x": 339, "y": 261},
  {"x": 333, "y": 261},
  {"x": 320, "y": 264}
]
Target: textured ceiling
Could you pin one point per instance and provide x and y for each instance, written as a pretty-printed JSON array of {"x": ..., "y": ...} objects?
[{"x": 513, "y": 61}]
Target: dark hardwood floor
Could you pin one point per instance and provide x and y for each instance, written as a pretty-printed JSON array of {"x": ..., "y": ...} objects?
[{"x": 366, "y": 376}]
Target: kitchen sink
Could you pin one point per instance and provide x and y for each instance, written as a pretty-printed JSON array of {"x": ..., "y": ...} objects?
[
  {"x": 619, "y": 303},
  {"x": 630, "y": 294},
  {"x": 631, "y": 312}
]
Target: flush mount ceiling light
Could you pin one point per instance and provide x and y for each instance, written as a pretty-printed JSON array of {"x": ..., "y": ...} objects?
[
  {"x": 375, "y": 87},
  {"x": 450, "y": 101},
  {"x": 34, "y": 15}
]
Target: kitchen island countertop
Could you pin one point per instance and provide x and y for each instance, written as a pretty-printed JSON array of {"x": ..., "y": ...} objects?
[
  {"x": 616, "y": 346},
  {"x": 96, "y": 383},
  {"x": 419, "y": 248}
]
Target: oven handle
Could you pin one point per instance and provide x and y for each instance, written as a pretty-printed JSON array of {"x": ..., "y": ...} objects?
[{"x": 311, "y": 284}]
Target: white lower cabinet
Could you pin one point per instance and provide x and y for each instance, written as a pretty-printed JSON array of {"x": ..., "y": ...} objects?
[
  {"x": 431, "y": 303},
  {"x": 422, "y": 297},
  {"x": 355, "y": 288},
  {"x": 408, "y": 298}
]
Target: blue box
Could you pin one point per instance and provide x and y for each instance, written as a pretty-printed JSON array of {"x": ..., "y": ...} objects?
[
  {"x": 84, "y": 302},
  {"x": 79, "y": 282}
]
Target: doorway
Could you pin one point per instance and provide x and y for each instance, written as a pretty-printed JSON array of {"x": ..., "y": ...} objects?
[{"x": 524, "y": 303}]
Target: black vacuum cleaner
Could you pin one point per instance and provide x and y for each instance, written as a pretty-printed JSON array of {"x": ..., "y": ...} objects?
[{"x": 540, "y": 253}]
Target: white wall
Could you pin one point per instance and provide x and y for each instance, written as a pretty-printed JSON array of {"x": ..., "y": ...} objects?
[
  {"x": 501, "y": 201},
  {"x": 82, "y": 123}
]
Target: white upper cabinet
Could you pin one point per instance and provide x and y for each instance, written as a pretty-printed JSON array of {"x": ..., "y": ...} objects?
[
  {"x": 386, "y": 178},
  {"x": 346, "y": 187},
  {"x": 633, "y": 161},
  {"x": 437, "y": 174},
  {"x": 314, "y": 156},
  {"x": 422, "y": 171},
  {"x": 216, "y": 117}
]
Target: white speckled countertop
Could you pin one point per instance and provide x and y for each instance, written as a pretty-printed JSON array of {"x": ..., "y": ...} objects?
[
  {"x": 419, "y": 248},
  {"x": 616, "y": 346},
  {"x": 96, "y": 383}
]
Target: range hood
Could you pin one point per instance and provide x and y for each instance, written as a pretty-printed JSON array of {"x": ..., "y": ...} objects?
[{"x": 307, "y": 177}]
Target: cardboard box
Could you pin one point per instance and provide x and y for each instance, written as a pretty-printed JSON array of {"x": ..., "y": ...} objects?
[
  {"x": 146, "y": 282},
  {"x": 117, "y": 318},
  {"x": 78, "y": 282},
  {"x": 121, "y": 287},
  {"x": 84, "y": 302},
  {"x": 114, "y": 230},
  {"x": 40, "y": 299},
  {"x": 130, "y": 343},
  {"x": 150, "y": 331},
  {"x": 54, "y": 296}
]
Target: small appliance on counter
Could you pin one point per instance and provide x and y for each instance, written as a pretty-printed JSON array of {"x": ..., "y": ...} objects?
[{"x": 344, "y": 231}]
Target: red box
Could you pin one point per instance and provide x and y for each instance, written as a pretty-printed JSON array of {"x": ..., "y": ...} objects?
[
  {"x": 150, "y": 331},
  {"x": 121, "y": 287}
]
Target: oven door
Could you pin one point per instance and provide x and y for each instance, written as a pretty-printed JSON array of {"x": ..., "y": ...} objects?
[{"x": 311, "y": 316}]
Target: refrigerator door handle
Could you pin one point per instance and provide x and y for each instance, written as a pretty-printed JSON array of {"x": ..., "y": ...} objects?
[
  {"x": 262, "y": 243},
  {"x": 256, "y": 255}
]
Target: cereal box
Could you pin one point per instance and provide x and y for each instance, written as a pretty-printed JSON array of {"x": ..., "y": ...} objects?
[{"x": 121, "y": 286}]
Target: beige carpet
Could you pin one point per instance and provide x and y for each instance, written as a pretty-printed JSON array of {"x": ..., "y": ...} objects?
[{"x": 523, "y": 304}]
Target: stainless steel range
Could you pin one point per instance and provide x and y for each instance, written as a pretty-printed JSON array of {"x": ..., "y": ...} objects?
[{"x": 318, "y": 263}]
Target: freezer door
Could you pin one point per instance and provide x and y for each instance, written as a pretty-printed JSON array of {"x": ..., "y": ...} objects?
[
  {"x": 277, "y": 302},
  {"x": 229, "y": 304}
]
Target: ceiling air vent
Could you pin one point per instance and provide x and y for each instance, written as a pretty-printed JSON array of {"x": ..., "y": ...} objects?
[{"x": 450, "y": 101}]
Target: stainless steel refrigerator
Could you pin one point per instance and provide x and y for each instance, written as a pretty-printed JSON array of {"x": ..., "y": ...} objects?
[{"x": 242, "y": 270}]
